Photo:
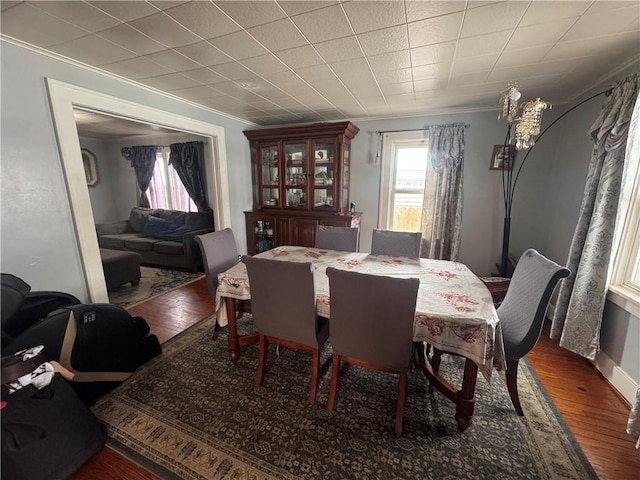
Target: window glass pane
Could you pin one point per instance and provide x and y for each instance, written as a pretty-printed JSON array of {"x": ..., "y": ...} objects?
[
  {"x": 411, "y": 168},
  {"x": 166, "y": 190}
]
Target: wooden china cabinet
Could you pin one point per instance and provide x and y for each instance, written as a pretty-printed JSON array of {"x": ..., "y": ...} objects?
[{"x": 301, "y": 180}]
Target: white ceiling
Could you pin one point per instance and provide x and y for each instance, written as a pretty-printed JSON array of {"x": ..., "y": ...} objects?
[{"x": 277, "y": 62}]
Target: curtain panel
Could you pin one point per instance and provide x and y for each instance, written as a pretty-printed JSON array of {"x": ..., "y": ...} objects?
[
  {"x": 186, "y": 160},
  {"x": 578, "y": 314},
  {"x": 143, "y": 160},
  {"x": 442, "y": 213}
]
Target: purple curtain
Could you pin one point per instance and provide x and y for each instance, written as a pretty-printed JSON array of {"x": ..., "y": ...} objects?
[
  {"x": 143, "y": 160},
  {"x": 186, "y": 159}
]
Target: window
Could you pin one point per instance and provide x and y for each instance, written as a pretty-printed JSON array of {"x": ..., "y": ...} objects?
[
  {"x": 405, "y": 176},
  {"x": 166, "y": 189},
  {"x": 624, "y": 289}
]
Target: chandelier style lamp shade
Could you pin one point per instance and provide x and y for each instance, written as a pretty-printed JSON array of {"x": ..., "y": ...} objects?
[{"x": 521, "y": 133}]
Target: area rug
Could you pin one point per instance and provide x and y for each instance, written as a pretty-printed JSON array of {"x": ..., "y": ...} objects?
[
  {"x": 154, "y": 281},
  {"x": 192, "y": 414}
]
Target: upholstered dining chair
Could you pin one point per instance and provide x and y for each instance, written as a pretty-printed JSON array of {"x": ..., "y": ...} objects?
[
  {"x": 344, "y": 239},
  {"x": 397, "y": 244},
  {"x": 372, "y": 327},
  {"x": 219, "y": 253},
  {"x": 283, "y": 300}
]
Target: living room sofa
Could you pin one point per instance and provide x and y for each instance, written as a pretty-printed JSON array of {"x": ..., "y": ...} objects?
[{"x": 164, "y": 238}]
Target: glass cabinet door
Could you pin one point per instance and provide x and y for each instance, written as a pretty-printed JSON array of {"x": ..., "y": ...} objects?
[
  {"x": 324, "y": 170},
  {"x": 346, "y": 174},
  {"x": 270, "y": 175},
  {"x": 295, "y": 181}
]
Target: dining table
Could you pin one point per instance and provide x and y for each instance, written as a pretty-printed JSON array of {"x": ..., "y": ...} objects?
[{"x": 454, "y": 313}]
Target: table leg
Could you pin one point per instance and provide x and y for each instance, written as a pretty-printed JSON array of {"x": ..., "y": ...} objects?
[
  {"x": 466, "y": 400},
  {"x": 232, "y": 329}
]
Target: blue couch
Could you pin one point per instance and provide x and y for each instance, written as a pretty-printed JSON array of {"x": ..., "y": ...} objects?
[{"x": 164, "y": 238}]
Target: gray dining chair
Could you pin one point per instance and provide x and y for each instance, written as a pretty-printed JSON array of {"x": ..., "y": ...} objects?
[
  {"x": 283, "y": 301},
  {"x": 369, "y": 330},
  {"x": 397, "y": 244},
  {"x": 344, "y": 239},
  {"x": 219, "y": 253}
]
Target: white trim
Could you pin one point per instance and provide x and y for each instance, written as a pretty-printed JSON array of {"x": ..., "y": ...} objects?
[
  {"x": 63, "y": 98},
  {"x": 617, "y": 377},
  {"x": 625, "y": 298}
]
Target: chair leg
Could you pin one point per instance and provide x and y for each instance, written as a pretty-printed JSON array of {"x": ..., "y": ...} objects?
[
  {"x": 262, "y": 359},
  {"x": 216, "y": 331},
  {"x": 335, "y": 368},
  {"x": 512, "y": 384},
  {"x": 402, "y": 392},
  {"x": 315, "y": 373},
  {"x": 436, "y": 358}
]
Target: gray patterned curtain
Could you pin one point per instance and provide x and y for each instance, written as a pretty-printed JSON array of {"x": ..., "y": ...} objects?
[
  {"x": 578, "y": 314},
  {"x": 442, "y": 214},
  {"x": 143, "y": 161},
  {"x": 185, "y": 158}
]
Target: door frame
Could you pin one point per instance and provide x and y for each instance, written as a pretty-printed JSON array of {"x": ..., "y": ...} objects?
[{"x": 64, "y": 98}]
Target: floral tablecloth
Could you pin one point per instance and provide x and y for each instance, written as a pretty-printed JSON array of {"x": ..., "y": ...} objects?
[{"x": 454, "y": 309}]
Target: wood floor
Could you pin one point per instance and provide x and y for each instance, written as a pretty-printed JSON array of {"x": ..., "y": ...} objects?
[{"x": 596, "y": 414}]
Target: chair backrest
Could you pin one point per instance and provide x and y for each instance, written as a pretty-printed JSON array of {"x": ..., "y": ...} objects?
[
  {"x": 397, "y": 244},
  {"x": 523, "y": 309},
  {"x": 344, "y": 239},
  {"x": 372, "y": 317},
  {"x": 283, "y": 299},
  {"x": 219, "y": 253}
]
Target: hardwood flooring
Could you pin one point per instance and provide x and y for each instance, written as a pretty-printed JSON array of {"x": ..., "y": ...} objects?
[{"x": 593, "y": 410}]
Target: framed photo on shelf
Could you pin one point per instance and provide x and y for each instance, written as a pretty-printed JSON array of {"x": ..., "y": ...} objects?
[{"x": 503, "y": 158}]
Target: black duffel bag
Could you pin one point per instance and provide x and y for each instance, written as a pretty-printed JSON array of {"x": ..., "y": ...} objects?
[{"x": 48, "y": 433}]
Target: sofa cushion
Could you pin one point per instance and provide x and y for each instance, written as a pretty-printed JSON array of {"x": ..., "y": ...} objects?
[
  {"x": 138, "y": 218},
  {"x": 140, "y": 244},
  {"x": 199, "y": 220},
  {"x": 116, "y": 241},
  {"x": 165, "y": 230},
  {"x": 170, "y": 248}
]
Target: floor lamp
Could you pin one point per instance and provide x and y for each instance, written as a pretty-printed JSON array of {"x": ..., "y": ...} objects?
[{"x": 521, "y": 133}]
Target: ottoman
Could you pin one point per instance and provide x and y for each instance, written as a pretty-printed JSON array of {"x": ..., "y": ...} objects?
[{"x": 120, "y": 267}]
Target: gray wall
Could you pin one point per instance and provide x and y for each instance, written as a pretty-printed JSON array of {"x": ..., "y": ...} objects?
[{"x": 38, "y": 241}]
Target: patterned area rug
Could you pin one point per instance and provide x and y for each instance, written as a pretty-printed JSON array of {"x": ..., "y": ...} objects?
[
  {"x": 192, "y": 414},
  {"x": 154, "y": 281}
]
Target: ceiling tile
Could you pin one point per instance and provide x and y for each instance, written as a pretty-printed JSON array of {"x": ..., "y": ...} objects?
[
  {"x": 32, "y": 25},
  {"x": 492, "y": 18},
  {"x": 420, "y": 10},
  {"x": 204, "y": 53},
  {"x": 131, "y": 39},
  {"x": 165, "y": 30},
  {"x": 136, "y": 68},
  {"x": 394, "y": 76},
  {"x": 239, "y": 45},
  {"x": 390, "y": 61},
  {"x": 125, "y": 10},
  {"x": 340, "y": 49},
  {"x": 317, "y": 72},
  {"x": 205, "y": 76},
  {"x": 93, "y": 50},
  {"x": 252, "y": 13},
  {"x": 300, "y": 57},
  {"x": 435, "y": 30},
  {"x": 386, "y": 40},
  {"x": 173, "y": 61},
  {"x": 541, "y": 34},
  {"x": 619, "y": 43},
  {"x": 280, "y": 35},
  {"x": 79, "y": 14},
  {"x": 433, "y": 70},
  {"x": 396, "y": 88},
  {"x": 468, "y": 79},
  {"x": 265, "y": 64},
  {"x": 166, "y": 4},
  {"x": 591, "y": 25},
  {"x": 203, "y": 19},
  {"x": 198, "y": 92},
  {"x": 542, "y": 12},
  {"x": 325, "y": 24},
  {"x": 482, "y": 44},
  {"x": 429, "y": 84},
  {"x": 366, "y": 16},
  {"x": 603, "y": 6},
  {"x": 8, "y": 4},
  {"x": 234, "y": 71},
  {"x": 524, "y": 56},
  {"x": 297, "y": 7},
  {"x": 351, "y": 68},
  {"x": 172, "y": 81},
  {"x": 432, "y": 53},
  {"x": 480, "y": 63}
]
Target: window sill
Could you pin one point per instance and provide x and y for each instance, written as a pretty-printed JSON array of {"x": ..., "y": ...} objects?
[{"x": 625, "y": 298}]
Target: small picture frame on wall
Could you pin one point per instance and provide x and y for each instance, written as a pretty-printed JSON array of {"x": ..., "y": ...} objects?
[
  {"x": 503, "y": 158},
  {"x": 90, "y": 164}
]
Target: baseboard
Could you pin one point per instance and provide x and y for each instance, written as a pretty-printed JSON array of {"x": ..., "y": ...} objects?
[{"x": 617, "y": 377}]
